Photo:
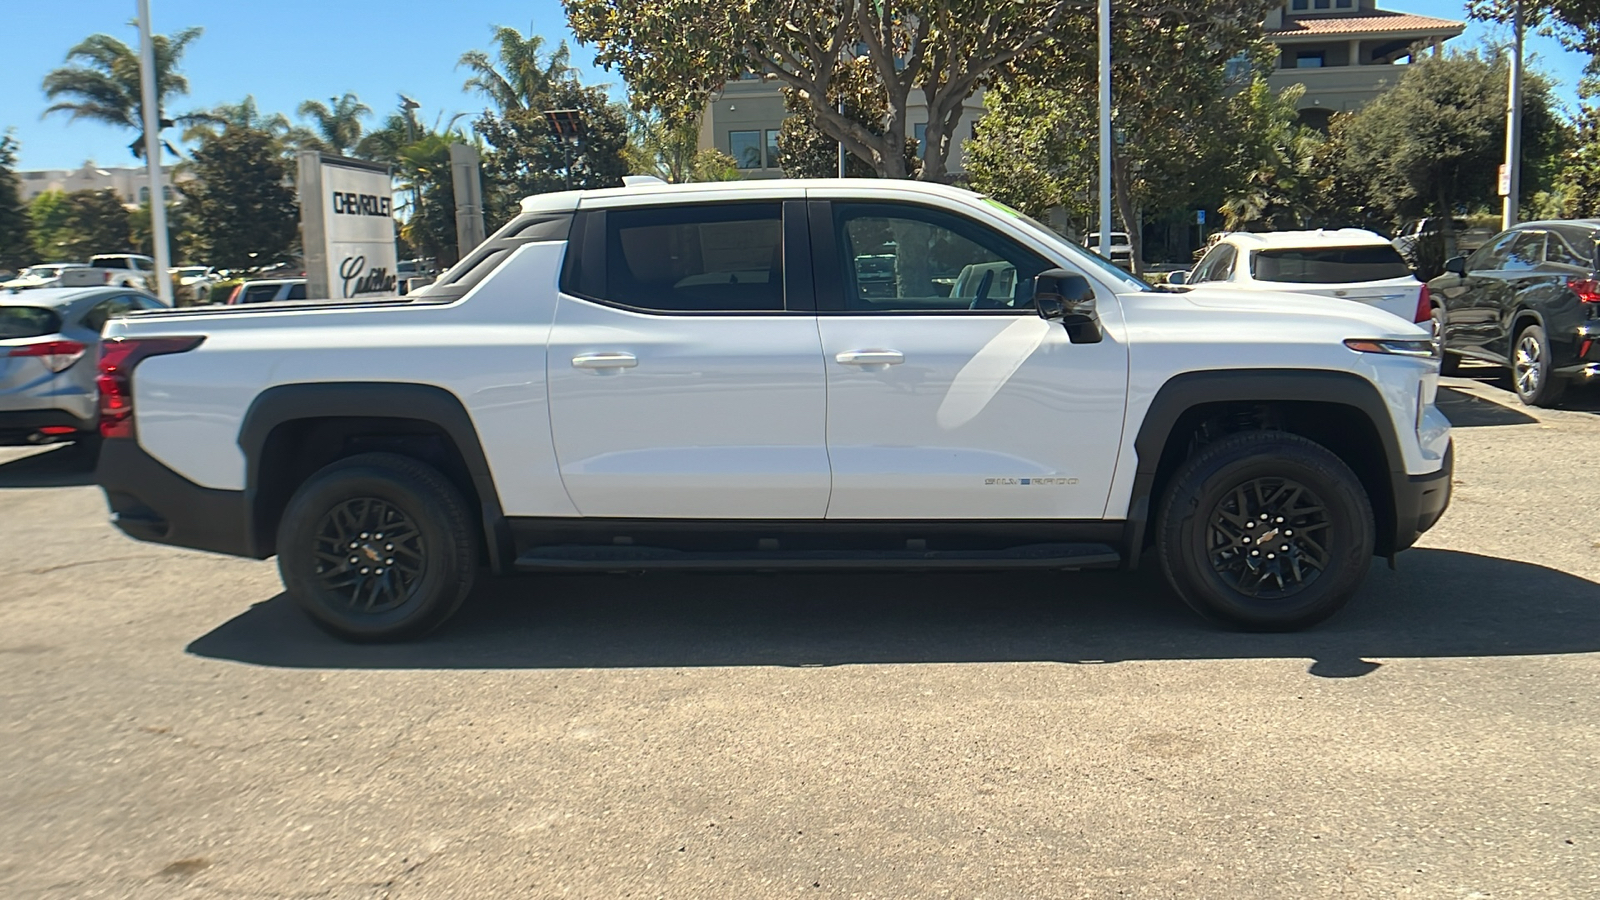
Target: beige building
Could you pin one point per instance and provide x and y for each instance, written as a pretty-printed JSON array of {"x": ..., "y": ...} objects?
[
  {"x": 131, "y": 184},
  {"x": 1345, "y": 52}
]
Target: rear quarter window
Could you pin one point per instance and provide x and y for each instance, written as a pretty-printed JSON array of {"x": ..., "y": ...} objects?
[
  {"x": 1329, "y": 265},
  {"x": 27, "y": 322}
]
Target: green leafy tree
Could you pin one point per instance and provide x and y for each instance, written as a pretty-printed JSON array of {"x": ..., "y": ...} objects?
[
  {"x": 520, "y": 75},
  {"x": 47, "y": 224},
  {"x": 336, "y": 125},
  {"x": 1276, "y": 179},
  {"x": 241, "y": 200},
  {"x": 15, "y": 250},
  {"x": 1432, "y": 145},
  {"x": 671, "y": 151},
  {"x": 805, "y": 150},
  {"x": 1176, "y": 138},
  {"x": 247, "y": 114},
  {"x": 674, "y": 54},
  {"x": 100, "y": 83},
  {"x": 1578, "y": 187},
  {"x": 525, "y": 157},
  {"x": 90, "y": 222},
  {"x": 424, "y": 168}
]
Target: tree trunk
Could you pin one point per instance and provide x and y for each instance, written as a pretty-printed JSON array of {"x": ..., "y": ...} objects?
[{"x": 1124, "y": 202}]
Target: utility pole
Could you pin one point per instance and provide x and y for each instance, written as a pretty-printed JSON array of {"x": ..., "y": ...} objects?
[
  {"x": 149, "y": 98},
  {"x": 1511, "y": 172},
  {"x": 1105, "y": 128}
]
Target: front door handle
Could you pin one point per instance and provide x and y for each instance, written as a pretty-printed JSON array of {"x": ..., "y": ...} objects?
[
  {"x": 871, "y": 358},
  {"x": 608, "y": 360}
]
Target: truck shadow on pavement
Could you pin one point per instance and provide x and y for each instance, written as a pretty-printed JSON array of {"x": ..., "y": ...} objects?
[
  {"x": 1465, "y": 410},
  {"x": 1439, "y": 604}
]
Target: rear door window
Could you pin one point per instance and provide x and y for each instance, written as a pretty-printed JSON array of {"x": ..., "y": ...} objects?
[
  {"x": 297, "y": 292},
  {"x": 1329, "y": 265},
  {"x": 97, "y": 316},
  {"x": 1527, "y": 252},
  {"x": 1217, "y": 265},
  {"x": 697, "y": 258},
  {"x": 27, "y": 322},
  {"x": 259, "y": 293}
]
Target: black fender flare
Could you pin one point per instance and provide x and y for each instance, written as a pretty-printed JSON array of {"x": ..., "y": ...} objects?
[
  {"x": 1188, "y": 390},
  {"x": 390, "y": 400}
]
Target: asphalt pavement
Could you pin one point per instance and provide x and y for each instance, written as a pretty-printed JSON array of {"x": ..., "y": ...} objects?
[{"x": 170, "y": 727}]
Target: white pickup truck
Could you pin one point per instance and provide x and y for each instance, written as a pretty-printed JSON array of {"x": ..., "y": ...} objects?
[{"x": 778, "y": 375}]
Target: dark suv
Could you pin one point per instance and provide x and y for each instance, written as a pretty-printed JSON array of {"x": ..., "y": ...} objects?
[{"x": 1529, "y": 299}]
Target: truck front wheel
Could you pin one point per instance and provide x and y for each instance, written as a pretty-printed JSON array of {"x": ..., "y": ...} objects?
[
  {"x": 1265, "y": 531},
  {"x": 377, "y": 547}
]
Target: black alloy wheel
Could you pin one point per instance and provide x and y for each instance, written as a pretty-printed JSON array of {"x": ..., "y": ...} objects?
[
  {"x": 378, "y": 547},
  {"x": 1449, "y": 364},
  {"x": 370, "y": 554},
  {"x": 1266, "y": 538},
  {"x": 1265, "y": 531}
]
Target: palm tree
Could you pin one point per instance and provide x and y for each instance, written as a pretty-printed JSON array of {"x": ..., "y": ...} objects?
[
  {"x": 337, "y": 123},
  {"x": 100, "y": 83},
  {"x": 524, "y": 73}
]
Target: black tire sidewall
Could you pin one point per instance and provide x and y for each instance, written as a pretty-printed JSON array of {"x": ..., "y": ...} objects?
[
  {"x": 1448, "y": 364},
  {"x": 450, "y": 560},
  {"x": 1201, "y": 486}
]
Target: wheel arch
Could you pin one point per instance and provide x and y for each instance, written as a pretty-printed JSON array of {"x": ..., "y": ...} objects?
[
  {"x": 1340, "y": 410},
  {"x": 291, "y": 431}
]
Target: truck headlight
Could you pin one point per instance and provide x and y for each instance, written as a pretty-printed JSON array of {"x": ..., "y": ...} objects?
[{"x": 1392, "y": 347}]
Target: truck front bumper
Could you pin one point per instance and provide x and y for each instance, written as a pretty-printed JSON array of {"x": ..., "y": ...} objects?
[
  {"x": 151, "y": 502},
  {"x": 1420, "y": 500}
]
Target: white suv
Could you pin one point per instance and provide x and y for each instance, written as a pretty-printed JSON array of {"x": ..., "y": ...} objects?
[{"x": 1350, "y": 263}]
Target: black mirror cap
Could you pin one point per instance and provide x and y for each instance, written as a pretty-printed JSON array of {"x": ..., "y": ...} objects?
[
  {"x": 1066, "y": 297},
  {"x": 1456, "y": 264}
]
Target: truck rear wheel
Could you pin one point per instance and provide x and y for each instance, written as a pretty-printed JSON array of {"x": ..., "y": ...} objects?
[
  {"x": 378, "y": 547},
  {"x": 1265, "y": 531}
]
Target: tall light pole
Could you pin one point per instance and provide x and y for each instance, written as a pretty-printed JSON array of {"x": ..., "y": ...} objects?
[
  {"x": 1511, "y": 175},
  {"x": 1105, "y": 128},
  {"x": 149, "y": 99}
]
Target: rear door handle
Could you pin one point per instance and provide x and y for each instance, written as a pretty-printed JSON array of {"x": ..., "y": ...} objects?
[
  {"x": 609, "y": 360},
  {"x": 881, "y": 358}
]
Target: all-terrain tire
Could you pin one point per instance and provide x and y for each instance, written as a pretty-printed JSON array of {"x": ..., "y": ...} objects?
[
  {"x": 1227, "y": 539},
  {"x": 378, "y": 547}
]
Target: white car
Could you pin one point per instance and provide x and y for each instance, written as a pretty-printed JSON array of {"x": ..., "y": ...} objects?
[
  {"x": 40, "y": 276},
  {"x": 844, "y": 374},
  {"x": 1350, "y": 264},
  {"x": 1121, "y": 247}
]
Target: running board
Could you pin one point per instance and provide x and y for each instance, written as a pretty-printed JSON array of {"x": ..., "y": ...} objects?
[{"x": 578, "y": 558}]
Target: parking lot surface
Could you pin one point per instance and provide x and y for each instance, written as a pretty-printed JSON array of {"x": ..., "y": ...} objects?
[{"x": 170, "y": 727}]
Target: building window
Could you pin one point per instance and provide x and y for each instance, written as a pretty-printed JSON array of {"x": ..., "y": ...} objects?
[
  {"x": 1237, "y": 69},
  {"x": 1343, "y": 4},
  {"x": 144, "y": 195},
  {"x": 1321, "y": 4},
  {"x": 919, "y": 132},
  {"x": 746, "y": 148},
  {"x": 772, "y": 148},
  {"x": 1308, "y": 60},
  {"x": 1300, "y": 5}
]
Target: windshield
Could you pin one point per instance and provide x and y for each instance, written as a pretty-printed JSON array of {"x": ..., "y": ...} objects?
[
  {"x": 1078, "y": 255},
  {"x": 1329, "y": 265},
  {"x": 27, "y": 322}
]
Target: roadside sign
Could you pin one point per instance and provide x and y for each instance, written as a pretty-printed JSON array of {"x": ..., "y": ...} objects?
[
  {"x": 347, "y": 225},
  {"x": 1505, "y": 180},
  {"x": 1199, "y": 217}
]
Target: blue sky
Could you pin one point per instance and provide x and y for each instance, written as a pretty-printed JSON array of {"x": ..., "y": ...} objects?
[{"x": 374, "y": 49}]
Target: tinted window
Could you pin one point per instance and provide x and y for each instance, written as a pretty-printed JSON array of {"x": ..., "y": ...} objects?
[
  {"x": 95, "y": 318},
  {"x": 1217, "y": 265},
  {"x": 27, "y": 322},
  {"x": 1329, "y": 265},
  {"x": 259, "y": 293},
  {"x": 1492, "y": 254},
  {"x": 698, "y": 258},
  {"x": 1570, "y": 249},
  {"x": 297, "y": 292},
  {"x": 908, "y": 259},
  {"x": 1527, "y": 252}
]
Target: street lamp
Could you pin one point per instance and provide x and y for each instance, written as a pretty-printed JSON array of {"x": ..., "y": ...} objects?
[
  {"x": 1105, "y": 129},
  {"x": 567, "y": 126},
  {"x": 150, "y": 99}
]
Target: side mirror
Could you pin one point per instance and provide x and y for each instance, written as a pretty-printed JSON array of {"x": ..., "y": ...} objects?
[
  {"x": 1456, "y": 264},
  {"x": 1177, "y": 278},
  {"x": 1066, "y": 297}
]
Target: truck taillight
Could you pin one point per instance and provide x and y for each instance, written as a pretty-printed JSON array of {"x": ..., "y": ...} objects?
[
  {"x": 1587, "y": 289},
  {"x": 118, "y": 356},
  {"x": 58, "y": 355},
  {"x": 1424, "y": 306}
]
